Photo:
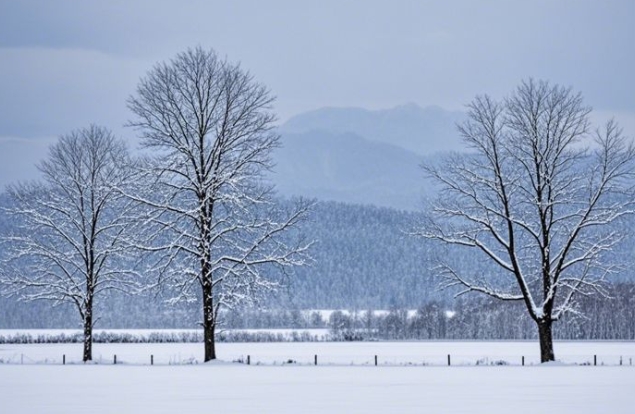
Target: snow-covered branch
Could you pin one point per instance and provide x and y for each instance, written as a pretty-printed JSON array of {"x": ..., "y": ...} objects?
[
  {"x": 533, "y": 200},
  {"x": 72, "y": 234},
  {"x": 211, "y": 220}
]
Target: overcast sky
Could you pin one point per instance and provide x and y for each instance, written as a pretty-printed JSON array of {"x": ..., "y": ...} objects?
[{"x": 66, "y": 64}]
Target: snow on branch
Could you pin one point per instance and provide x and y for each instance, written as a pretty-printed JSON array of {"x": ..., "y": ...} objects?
[{"x": 533, "y": 200}]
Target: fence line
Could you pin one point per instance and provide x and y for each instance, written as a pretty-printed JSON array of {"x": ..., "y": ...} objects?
[{"x": 373, "y": 360}]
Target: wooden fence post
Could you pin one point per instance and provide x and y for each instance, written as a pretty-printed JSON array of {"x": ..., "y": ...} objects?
[
  {"x": 115, "y": 360},
  {"x": 595, "y": 360},
  {"x": 64, "y": 359},
  {"x": 449, "y": 362},
  {"x": 315, "y": 359},
  {"x": 523, "y": 360},
  {"x": 248, "y": 359},
  {"x": 151, "y": 359},
  {"x": 375, "y": 360}
]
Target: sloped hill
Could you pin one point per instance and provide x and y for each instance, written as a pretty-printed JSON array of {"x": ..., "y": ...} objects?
[
  {"x": 349, "y": 168},
  {"x": 420, "y": 130}
]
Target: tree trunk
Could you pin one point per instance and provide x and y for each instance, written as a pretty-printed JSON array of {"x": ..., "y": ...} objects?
[
  {"x": 546, "y": 340},
  {"x": 209, "y": 323},
  {"x": 88, "y": 331}
]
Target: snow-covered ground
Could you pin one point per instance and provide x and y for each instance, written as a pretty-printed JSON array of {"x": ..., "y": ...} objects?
[
  {"x": 238, "y": 388},
  {"x": 329, "y": 353},
  {"x": 412, "y": 377}
]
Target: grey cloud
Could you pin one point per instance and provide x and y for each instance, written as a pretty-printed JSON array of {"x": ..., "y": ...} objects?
[{"x": 68, "y": 63}]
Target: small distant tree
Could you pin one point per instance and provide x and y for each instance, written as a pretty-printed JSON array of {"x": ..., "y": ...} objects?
[
  {"x": 341, "y": 326},
  {"x": 315, "y": 320},
  {"x": 395, "y": 324},
  {"x": 429, "y": 322},
  {"x": 298, "y": 321},
  {"x": 535, "y": 200},
  {"x": 370, "y": 323},
  {"x": 221, "y": 237},
  {"x": 71, "y": 230}
]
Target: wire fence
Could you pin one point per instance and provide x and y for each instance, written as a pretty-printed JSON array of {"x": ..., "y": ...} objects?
[{"x": 327, "y": 359}]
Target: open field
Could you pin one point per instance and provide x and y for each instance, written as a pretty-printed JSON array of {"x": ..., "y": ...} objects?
[
  {"x": 412, "y": 377},
  {"x": 238, "y": 388},
  {"x": 329, "y": 353}
]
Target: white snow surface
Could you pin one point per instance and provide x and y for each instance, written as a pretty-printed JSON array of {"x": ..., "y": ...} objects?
[
  {"x": 329, "y": 353},
  {"x": 236, "y": 388},
  {"x": 345, "y": 380}
]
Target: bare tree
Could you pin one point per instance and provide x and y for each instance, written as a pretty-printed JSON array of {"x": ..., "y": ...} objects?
[
  {"x": 217, "y": 227},
  {"x": 534, "y": 201},
  {"x": 70, "y": 239}
]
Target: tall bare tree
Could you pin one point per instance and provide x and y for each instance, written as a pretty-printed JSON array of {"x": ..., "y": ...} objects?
[
  {"x": 540, "y": 197},
  {"x": 70, "y": 241},
  {"x": 217, "y": 228}
]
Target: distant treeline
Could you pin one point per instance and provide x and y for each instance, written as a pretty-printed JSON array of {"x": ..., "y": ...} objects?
[
  {"x": 363, "y": 260},
  {"x": 465, "y": 319},
  {"x": 472, "y": 318},
  {"x": 158, "y": 337}
]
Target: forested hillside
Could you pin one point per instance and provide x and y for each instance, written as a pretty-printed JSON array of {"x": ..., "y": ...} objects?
[{"x": 364, "y": 259}]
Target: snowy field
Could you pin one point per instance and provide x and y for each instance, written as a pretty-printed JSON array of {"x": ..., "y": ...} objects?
[
  {"x": 33, "y": 380},
  {"x": 329, "y": 353},
  {"x": 236, "y": 388}
]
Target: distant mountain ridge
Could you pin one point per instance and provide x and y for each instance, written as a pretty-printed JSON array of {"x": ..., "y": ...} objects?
[
  {"x": 361, "y": 156},
  {"x": 421, "y": 130},
  {"x": 348, "y": 168}
]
